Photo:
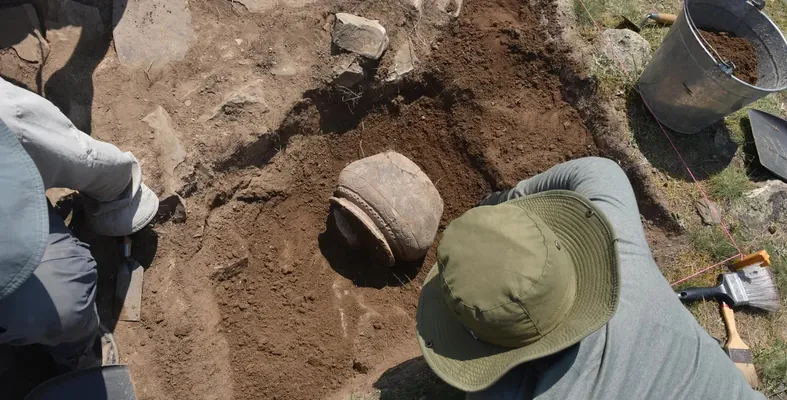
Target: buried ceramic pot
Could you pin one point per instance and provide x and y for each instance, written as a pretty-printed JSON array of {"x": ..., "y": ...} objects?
[{"x": 388, "y": 206}]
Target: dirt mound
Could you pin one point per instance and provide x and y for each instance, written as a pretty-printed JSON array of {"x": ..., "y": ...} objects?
[
  {"x": 738, "y": 50},
  {"x": 301, "y": 314}
]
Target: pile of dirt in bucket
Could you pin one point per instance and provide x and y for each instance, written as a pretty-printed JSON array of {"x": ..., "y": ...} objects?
[
  {"x": 736, "y": 49},
  {"x": 302, "y": 315}
]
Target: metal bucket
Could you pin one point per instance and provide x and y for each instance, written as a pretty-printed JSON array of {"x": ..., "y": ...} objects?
[{"x": 687, "y": 88}]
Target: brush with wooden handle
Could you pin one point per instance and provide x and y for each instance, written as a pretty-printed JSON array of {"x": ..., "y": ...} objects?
[{"x": 738, "y": 351}]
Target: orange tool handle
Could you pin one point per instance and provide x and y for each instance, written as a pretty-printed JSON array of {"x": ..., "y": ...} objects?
[{"x": 664, "y": 18}]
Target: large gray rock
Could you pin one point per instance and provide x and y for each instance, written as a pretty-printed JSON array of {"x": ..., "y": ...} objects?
[
  {"x": 631, "y": 49},
  {"x": 360, "y": 35},
  {"x": 151, "y": 32}
]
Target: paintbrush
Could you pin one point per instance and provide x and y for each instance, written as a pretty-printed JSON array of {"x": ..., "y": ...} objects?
[
  {"x": 738, "y": 351},
  {"x": 752, "y": 286}
]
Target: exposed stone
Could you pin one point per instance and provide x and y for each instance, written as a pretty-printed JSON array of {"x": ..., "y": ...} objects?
[
  {"x": 169, "y": 151},
  {"x": 151, "y": 32},
  {"x": 404, "y": 61},
  {"x": 348, "y": 74},
  {"x": 246, "y": 99},
  {"x": 360, "y": 35},
  {"x": 763, "y": 208},
  {"x": 19, "y": 29},
  {"x": 709, "y": 212},
  {"x": 627, "y": 46}
]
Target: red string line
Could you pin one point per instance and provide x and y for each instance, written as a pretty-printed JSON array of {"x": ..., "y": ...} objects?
[
  {"x": 704, "y": 270},
  {"x": 680, "y": 157}
]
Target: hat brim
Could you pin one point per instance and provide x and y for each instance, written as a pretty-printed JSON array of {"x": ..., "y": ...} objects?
[{"x": 472, "y": 365}]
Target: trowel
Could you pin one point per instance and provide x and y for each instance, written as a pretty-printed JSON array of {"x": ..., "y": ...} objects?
[
  {"x": 659, "y": 18},
  {"x": 770, "y": 138}
]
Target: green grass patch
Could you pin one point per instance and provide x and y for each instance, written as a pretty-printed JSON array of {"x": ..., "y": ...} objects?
[
  {"x": 772, "y": 363},
  {"x": 729, "y": 184},
  {"x": 712, "y": 242}
]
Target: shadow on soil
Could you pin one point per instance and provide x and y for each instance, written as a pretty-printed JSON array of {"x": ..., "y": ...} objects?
[
  {"x": 413, "y": 379},
  {"x": 71, "y": 87},
  {"x": 340, "y": 110},
  {"x": 706, "y": 152},
  {"x": 355, "y": 265}
]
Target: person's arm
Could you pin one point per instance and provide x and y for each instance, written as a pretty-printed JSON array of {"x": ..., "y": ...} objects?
[{"x": 600, "y": 180}]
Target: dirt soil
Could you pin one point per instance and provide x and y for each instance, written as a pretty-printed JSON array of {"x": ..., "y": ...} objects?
[
  {"x": 253, "y": 296},
  {"x": 305, "y": 315},
  {"x": 738, "y": 50}
]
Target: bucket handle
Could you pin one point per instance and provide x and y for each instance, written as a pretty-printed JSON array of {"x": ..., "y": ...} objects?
[
  {"x": 726, "y": 66},
  {"x": 758, "y": 4}
]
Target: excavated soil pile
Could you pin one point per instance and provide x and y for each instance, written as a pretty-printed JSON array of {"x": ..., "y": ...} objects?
[
  {"x": 738, "y": 50},
  {"x": 302, "y": 315}
]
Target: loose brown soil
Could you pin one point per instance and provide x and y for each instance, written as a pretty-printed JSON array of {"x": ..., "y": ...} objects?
[
  {"x": 306, "y": 315},
  {"x": 738, "y": 50},
  {"x": 253, "y": 297}
]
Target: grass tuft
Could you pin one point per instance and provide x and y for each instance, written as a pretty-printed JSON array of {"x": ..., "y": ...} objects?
[
  {"x": 772, "y": 362},
  {"x": 729, "y": 184}
]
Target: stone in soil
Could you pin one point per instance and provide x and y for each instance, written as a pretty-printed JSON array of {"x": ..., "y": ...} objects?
[
  {"x": 348, "y": 73},
  {"x": 18, "y": 26},
  {"x": 404, "y": 61},
  {"x": 737, "y": 50},
  {"x": 359, "y": 35},
  {"x": 249, "y": 99},
  {"x": 626, "y": 46},
  {"x": 708, "y": 211},
  {"x": 762, "y": 209},
  {"x": 169, "y": 151},
  {"x": 151, "y": 33}
]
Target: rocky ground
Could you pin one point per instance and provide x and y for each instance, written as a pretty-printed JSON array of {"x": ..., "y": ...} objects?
[{"x": 246, "y": 110}]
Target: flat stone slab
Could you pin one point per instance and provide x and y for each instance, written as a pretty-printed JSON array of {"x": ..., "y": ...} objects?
[
  {"x": 169, "y": 151},
  {"x": 151, "y": 32},
  {"x": 18, "y": 28}
]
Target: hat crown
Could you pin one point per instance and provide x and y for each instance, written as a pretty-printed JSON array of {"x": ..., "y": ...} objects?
[{"x": 505, "y": 275}]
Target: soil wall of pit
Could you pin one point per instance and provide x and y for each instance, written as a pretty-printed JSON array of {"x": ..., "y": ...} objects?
[{"x": 302, "y": 315}]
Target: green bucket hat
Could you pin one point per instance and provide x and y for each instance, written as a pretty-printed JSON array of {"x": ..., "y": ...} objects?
[{"x": 516, "y": 282}]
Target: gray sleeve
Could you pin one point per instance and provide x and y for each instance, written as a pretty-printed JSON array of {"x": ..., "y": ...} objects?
[{"x": 601, "y": 181}]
